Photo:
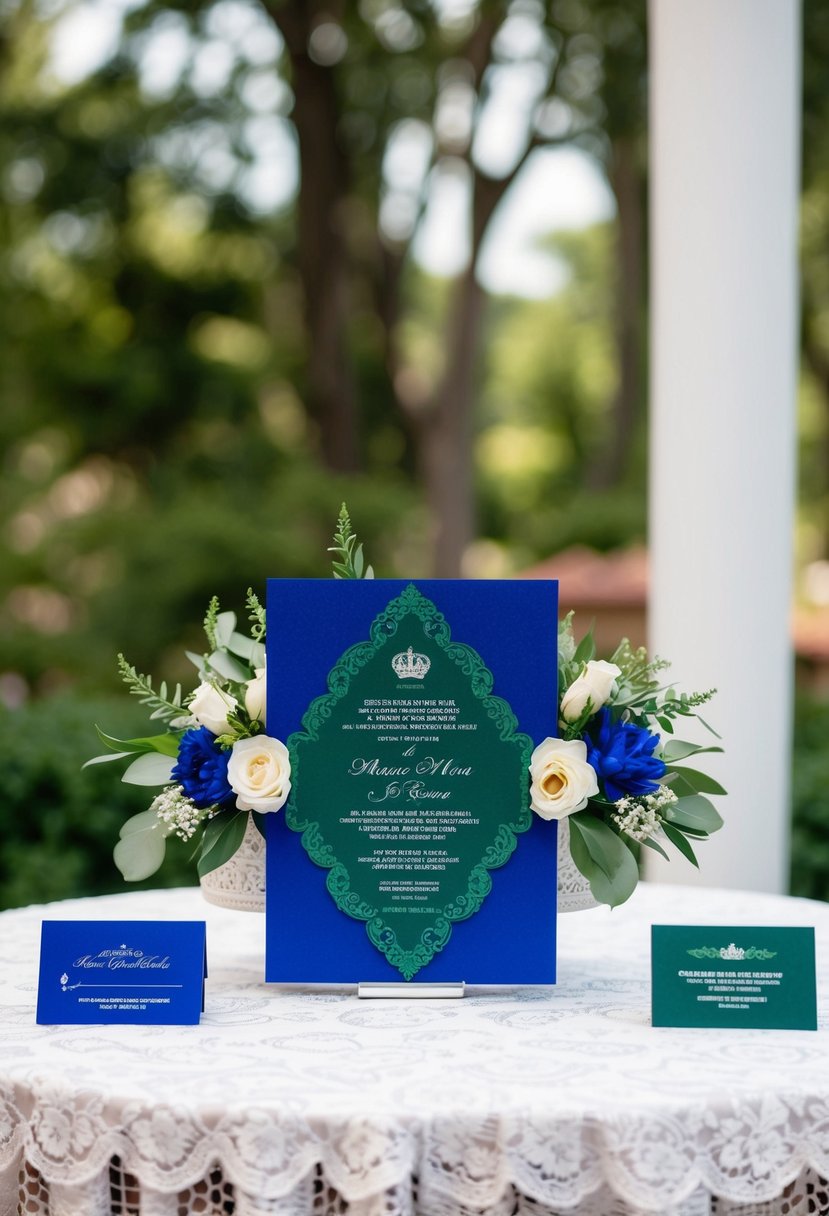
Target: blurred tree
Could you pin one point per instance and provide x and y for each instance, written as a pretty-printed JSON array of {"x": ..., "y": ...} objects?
[
  {"x": 185, "y": 336},
  {"x": 390, "y": 81},
  {"x": 814, "y": 236}
]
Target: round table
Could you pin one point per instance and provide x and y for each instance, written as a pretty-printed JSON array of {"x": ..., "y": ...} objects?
[{"x": 295, "y": 1101}]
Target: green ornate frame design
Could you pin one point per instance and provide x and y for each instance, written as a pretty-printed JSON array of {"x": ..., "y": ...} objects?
[{"x": 436, "y": 629}]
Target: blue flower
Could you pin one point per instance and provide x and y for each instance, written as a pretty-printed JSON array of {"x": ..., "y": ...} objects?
[
  {"x": 201, "y": 768},
  {"x": 622, "y": 755}
]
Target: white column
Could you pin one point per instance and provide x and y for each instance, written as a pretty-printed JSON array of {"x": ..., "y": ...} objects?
[{"x": 725, "y": 100}]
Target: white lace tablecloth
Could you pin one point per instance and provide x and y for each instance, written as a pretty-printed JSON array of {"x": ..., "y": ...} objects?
[{"x": 289, "y": 1102}]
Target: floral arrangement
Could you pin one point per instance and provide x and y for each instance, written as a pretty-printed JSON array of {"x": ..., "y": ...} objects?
[
  {"x": 216, "y": 765},
  {"x": 610, "y": 774},
  {"x": 213, "y": 759}
]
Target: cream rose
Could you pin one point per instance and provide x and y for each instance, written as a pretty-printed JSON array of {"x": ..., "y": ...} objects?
[
  {"x": 255, "y": 694},
  {"x": 259, "y": 772},
  {"x": 210, "y": 706},
  {"x": 594, "y": 685},
  {"x": 562, "y": 780}
]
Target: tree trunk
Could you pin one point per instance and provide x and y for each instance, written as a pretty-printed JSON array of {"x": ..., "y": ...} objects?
[
  {"x": 627, "y": 183},
  {"x": 322, "y": 240},
  {"x": 447, "y": 437}
]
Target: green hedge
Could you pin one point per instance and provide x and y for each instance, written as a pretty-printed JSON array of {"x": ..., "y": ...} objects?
[
  {"x": 810, "y": 799},
  {"x": 58, "y": 821}
]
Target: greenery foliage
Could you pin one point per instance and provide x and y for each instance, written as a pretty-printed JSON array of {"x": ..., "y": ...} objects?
[
  {"x": 810, "y": 799},
  {"x": 57, "y": 821}
]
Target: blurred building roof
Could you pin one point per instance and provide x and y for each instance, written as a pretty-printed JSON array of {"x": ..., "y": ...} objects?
[{"x": 613, "y": 589}]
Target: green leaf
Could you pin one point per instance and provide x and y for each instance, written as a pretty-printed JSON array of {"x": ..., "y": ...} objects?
[
  {"x": 150, "y": 769},
  {"x": 225, "y": 625},
  {"x": 699, "y": 783},
  {"x": 237, "y": 643},
  {"x": 695, "y": 812},
  {"x": 247, "y": 648},
  {"x": 198, "y": 661},
  {"x": 144, "y": 821},
  {"x": 142, "y": 846},
  {"x": 107, "y": 758},
  {"x": 166, "y": 745},
  {"x": 603, "y": 859},
  {"x": 586, "y": 649},
  {"x": 678, "y": 749},
  {"x": 222, "y": 837},
  {"x": 708, "y": 727},
  {"x": 680, "y": 842},
  {"x": 650, "y": 843},
  {"x": 666, "y": 724},
  {"x": 227, "y": 666}
]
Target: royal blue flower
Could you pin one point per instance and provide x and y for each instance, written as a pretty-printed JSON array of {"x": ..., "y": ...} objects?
[
  {"x": 201, "y": 768},
  {"x": 622, "y": 756}
]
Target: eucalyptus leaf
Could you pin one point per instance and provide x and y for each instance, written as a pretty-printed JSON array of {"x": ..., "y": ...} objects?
[
  {"x": 142, "y": 846},
  {"x": 694, "y": 812},
  {"x": 225, "y": 625},
  {"x": 680, "y": 842},
  {"x": 218, "y": 846},
  {"x": 144, "y": 821},
  {"x": 150, "y": 769},
  {"x": 603, "y": 858},
  {"x": 241, "y": 645},
  {"x": 678, "y": 749},
  {"x": 227, "y": 666},
  {"x": 699, "y": 783},
  {"x": 107, "y": 758},
  {"x": 198, "y": 661}
]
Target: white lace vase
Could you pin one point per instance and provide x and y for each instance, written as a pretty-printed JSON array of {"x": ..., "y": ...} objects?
[
  {"x": 574, "y": 894},
  {"x": 240, "y": 882}
]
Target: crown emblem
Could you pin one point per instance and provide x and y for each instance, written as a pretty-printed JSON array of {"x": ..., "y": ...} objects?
[
  {"x": 732, "y": 951},
  {"x": 410, "y": 666}
]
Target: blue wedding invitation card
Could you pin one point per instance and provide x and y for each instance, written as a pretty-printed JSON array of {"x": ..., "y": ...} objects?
[
  {"x": 127, "y": 972},
  {"x": 407, "y": 850}
]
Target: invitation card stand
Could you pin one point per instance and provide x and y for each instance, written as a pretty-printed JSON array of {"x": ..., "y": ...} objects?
[{"x": 375, "y": 989}]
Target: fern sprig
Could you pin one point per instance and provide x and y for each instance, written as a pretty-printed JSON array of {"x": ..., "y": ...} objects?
[
  {"x": 210, "y": 623},
  {"x": 348, "y": 561},
  {"x": 141, "y": 686},
  {"x": 256, "y": 616}
]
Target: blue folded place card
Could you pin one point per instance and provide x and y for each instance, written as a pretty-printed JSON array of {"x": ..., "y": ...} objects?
[{"x": 128, "y": 972}]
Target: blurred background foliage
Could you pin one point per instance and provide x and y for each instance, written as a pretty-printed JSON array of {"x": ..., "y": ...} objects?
[{"x": 219, "y": 318}]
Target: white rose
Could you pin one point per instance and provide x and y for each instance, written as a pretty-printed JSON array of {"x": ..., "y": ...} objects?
[
  {"x": 255, "y": 694},
  {"x": 562, "y": 780},
  {"x": 210, "y": 706},
  {"x": 594, "y": 685},
  {"x": 259, "y": 772}
]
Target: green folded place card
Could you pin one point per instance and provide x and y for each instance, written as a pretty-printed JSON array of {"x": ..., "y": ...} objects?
[{"x": 733, "y": 975}]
